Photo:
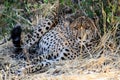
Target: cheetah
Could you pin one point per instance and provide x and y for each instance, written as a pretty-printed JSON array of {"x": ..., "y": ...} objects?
[
  {"x": 66, "y": 41},
  {"x": 70, "y": 38}
]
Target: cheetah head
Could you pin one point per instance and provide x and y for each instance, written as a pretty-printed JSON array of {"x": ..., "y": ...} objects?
[{"x": 84, "y": 29}]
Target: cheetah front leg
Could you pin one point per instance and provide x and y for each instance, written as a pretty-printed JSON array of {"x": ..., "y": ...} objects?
[{"x": 34, "y": 68}]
